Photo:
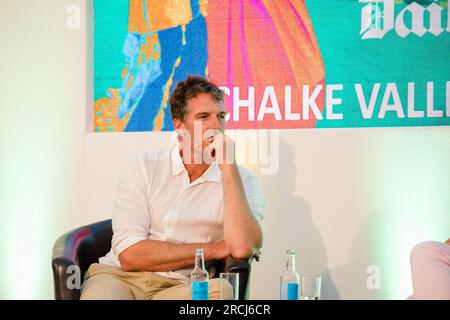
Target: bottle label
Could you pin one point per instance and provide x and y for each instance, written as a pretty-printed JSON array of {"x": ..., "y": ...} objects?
[
  {"x": 292, "y": 291},
  {"x": 200, "y": 290}
]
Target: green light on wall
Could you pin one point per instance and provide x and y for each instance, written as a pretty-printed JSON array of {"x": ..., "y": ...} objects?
[
  {"x": 42, "y": 136},
  {"x": 30, "y": 198},
  {"x": 411, "y": 191}
]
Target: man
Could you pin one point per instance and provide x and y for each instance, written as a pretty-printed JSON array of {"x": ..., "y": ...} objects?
[{"x": 171, "y": 202}]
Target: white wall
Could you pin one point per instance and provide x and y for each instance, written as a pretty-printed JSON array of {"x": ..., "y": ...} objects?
[{"x": 42, "y": 139}]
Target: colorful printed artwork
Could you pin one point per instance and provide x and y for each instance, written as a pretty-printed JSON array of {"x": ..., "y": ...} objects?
[
  {"x": 245, "y": 46},
  {"x": 285, "y": 64}
]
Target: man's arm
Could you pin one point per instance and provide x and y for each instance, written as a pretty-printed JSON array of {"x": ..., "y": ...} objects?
[
  {"x": 242, "y": 231},
  {"x": 153, "y": 255},
  {"x": 131, "y": 223}
]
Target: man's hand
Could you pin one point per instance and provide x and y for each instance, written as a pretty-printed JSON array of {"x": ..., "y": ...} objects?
[{"x": 221, "y": 149}]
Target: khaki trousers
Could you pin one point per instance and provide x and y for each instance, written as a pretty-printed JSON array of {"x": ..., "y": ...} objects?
[{"x": 104, "y": 282}]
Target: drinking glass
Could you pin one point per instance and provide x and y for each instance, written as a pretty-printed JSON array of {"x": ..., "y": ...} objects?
[
  {"x": 229, "y": 286},
  {"x": 310, "y": 287}
]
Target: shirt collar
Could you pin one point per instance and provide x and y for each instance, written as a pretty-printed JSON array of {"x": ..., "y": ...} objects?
[
  {"x": 177, "y": 162},
  {"x": 212, "y": 174}
]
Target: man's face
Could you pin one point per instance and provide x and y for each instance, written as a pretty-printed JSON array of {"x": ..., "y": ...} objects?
[{"x": 205, "y": 116}]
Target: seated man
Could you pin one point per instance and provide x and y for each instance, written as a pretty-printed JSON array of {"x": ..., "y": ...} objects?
[
  {"x": 430, "y": 268},
  {"x": 170, "y": 202}
]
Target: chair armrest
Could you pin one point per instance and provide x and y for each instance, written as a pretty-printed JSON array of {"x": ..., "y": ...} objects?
[
  {"x": 65, "y": 255},
  {"x": 61, "y": 279},
  {"x": 241, "y": 266},
  {"x": 78, "y": 248},
  {"x": 231, "y": 264}
]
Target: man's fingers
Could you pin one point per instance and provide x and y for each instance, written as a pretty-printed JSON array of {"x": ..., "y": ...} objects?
[
  {"x": 209, "y": 153},
  {"x": 220, "y": 149}
]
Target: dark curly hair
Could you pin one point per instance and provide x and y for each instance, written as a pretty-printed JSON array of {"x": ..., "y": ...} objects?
[{"x": 188, "y": 89}]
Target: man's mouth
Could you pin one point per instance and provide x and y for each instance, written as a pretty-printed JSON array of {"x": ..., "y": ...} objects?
[{"x": 210, "y": 139}]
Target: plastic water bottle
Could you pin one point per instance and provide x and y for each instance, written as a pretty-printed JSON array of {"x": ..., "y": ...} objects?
[
  {"x": 199, "y": 277},
  {"x": 289, "y": 282}
]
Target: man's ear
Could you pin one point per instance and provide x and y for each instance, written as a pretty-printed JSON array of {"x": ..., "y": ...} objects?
[
  {"x": 178, "y": 124},
  {"x": 179, "y": 127}
]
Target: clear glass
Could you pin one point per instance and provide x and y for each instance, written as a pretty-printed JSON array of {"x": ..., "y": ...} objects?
[
  {"x": 229, "y": 286},
  {"x": 310, "y": 287}
]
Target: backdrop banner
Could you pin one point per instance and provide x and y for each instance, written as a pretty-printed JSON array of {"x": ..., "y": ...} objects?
[{"x": 285, "y": 64}]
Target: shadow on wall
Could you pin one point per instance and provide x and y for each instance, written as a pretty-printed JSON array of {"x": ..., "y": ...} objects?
[
  {"x": 361, "y": 276},
  {"x": 288, "y": 224}
]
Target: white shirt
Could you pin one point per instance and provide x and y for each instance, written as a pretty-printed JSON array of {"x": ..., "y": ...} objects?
[{"x": 155, "y": 200}]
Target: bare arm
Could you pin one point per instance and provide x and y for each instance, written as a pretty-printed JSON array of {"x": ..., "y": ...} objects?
[
  {"x": 242, "y": 231},
  {"x": 152, "y": 255}
]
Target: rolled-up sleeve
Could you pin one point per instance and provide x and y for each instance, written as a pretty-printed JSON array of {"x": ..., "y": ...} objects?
[{"x": 131, "y": 218}]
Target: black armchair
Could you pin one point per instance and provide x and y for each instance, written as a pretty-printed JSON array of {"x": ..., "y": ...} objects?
[{"x": 85, "y": 245}]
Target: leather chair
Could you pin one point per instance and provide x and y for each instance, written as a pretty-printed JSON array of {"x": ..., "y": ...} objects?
[{"x": 85, "y": 245}]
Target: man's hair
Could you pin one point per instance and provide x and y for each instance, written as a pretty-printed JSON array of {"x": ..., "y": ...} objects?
[{"x": 188, "y": 89}]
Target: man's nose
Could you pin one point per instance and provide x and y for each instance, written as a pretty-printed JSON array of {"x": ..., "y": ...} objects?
[{"x": 216, "y": 124}]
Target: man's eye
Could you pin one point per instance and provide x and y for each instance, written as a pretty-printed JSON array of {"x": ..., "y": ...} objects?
[{"x": 221, "y": 116}]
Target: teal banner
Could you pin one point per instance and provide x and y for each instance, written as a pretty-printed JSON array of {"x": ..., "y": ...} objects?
[{"x": 389, "y": 59}]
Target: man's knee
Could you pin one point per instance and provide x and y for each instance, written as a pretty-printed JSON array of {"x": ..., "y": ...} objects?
[{"x": 105, "y": 287}]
